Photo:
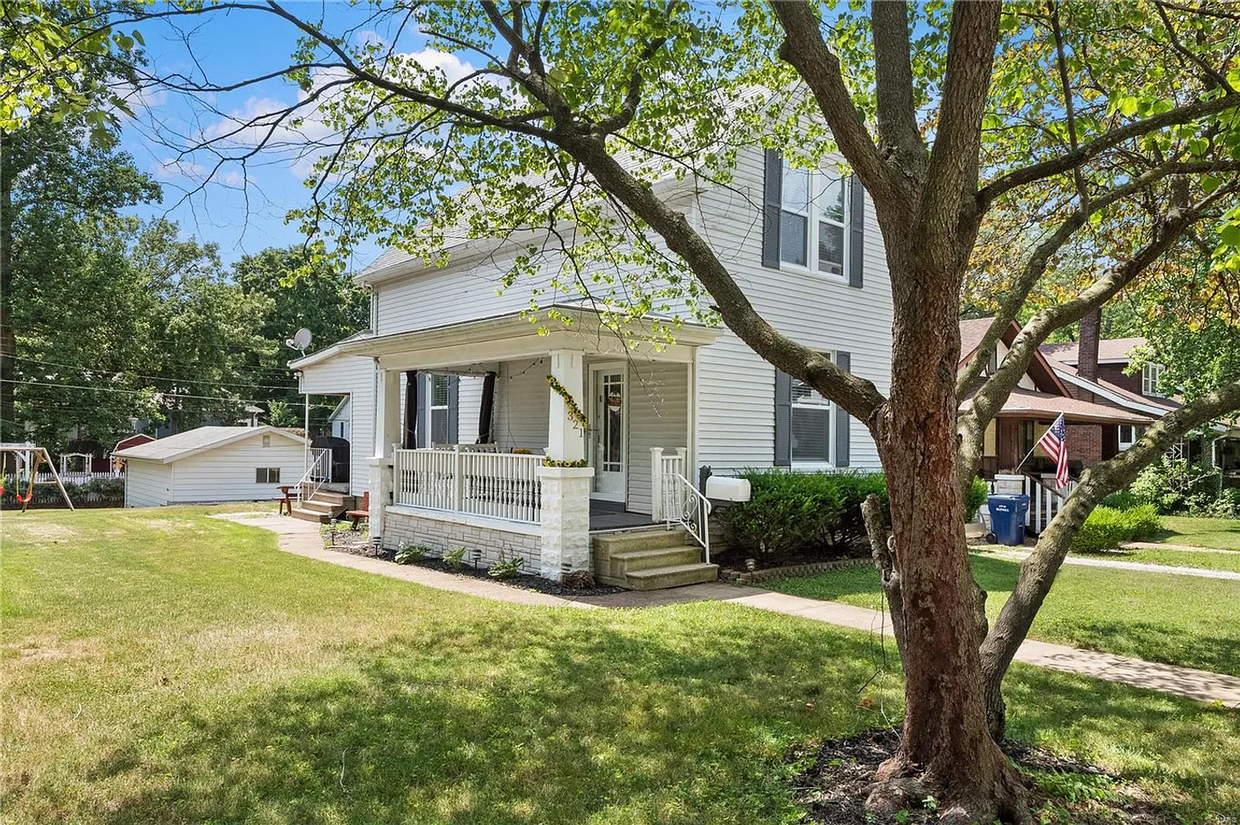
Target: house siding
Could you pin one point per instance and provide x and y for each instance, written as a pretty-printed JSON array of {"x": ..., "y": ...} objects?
[
  {"x": 522, "y": 405},
  {"x": 736, "y": 388},
  {"x": 353, "y": 376},
  {"x": 226, "y": 473},
  {"x": 147, "y": 483},
  {"x": 658, "y": 416}
]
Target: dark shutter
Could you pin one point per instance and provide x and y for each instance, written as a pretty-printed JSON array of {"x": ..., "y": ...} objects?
[
  {"x": 773, "y": 191},
  {"x": 783, "y": 419},
  {"x": 856, "y": 249},
  {"x": 454, "y": 418},
  {"x": 843, "y": 360},
  {"x": 486, "y": 410},
  {"x": 411, "y": 410}
]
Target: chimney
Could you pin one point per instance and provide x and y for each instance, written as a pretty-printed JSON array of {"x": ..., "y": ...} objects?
[{"x": 1087, "y": 349}]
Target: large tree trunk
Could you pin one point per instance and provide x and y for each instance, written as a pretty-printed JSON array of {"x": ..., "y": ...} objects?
[{"x": 946, "y": 744}]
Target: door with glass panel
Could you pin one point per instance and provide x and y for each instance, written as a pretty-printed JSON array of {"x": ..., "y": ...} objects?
[{"x": 608, "y": 430}]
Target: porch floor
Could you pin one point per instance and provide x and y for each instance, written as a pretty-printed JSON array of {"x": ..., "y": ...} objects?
[{"x": 611, "y": 515}]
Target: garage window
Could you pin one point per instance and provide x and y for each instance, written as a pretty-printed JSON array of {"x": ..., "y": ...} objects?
[{"x": 267, "y": 475}]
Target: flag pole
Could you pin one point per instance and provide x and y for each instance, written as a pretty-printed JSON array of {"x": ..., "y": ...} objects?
[{"x": 1023, "y": 460}]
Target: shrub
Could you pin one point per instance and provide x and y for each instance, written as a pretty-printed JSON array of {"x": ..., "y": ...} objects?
[
  {"x": 1123, "y": 500},
  {"x": 455, "y": 557},
  {"x": 974, "y": 497},
  {"x": 1107, "y": 528},
  {"x": 789, "y": 512},
  {"x": 1226, "y": 505},
  {"x": 409, "y": 553},
  {"x": 506, "y": 568},
  {"x": 1173, "y": 485}
]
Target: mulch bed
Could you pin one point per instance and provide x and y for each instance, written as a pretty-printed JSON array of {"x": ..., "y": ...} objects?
[
  {"x": 733, "y": 560},
  {"x": 836, "y": 779},
  {"x": 358, "y": 544}
]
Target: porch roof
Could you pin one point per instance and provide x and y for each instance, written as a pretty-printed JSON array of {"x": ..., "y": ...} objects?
[
  {"x": 513, "y": 335},
  {"x": 1030, "y": 404}
]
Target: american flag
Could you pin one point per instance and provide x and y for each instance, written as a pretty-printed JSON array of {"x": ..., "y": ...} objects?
[{"x": 1054, "y": 442}]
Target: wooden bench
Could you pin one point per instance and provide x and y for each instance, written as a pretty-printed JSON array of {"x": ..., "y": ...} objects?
[{"x": 361, "y": 514}]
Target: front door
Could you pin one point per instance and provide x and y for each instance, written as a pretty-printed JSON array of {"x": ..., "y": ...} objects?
[{"x": 608, "y": 430}]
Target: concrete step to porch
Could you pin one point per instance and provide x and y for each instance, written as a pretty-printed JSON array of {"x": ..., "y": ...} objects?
[
  {"x": 612, "y": 569},
  {"x": 324, "y": 507},
  {"x": 332, "y": 498},
  {"x": 648, "y": 538},
  {"x": 680, "y": 575},
  {"x": 311, "y": 515}
]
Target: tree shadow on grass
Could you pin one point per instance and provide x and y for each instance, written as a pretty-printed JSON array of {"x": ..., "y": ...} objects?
[
  {"x": 555, "y": 719},
  {"x": 1138, "y": 733}
]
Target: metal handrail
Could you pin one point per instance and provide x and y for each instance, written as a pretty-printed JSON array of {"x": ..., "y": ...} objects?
[
  {"x": 694, "y": 511},
  {"x": 316, "y": 475}
]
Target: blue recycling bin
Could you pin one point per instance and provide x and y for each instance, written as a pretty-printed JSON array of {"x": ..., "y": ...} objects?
[{"x": 1007, "y": 517}]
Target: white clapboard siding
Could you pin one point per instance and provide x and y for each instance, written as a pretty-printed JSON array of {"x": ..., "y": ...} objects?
[
  {"x": 147, "y": 483},
  {"x": 227, "y": 472},
  {"x": 351, "y": 375},
  {"x": 736, "y": 389},
  {"x": 522, "y": 404},
  {"x": 468, "y": 405},
  {"x": 658, "y": 417}
]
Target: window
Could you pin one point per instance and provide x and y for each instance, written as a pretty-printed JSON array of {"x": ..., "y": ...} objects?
[
  {"x": 266, "y": 441},
  {"x": 1128, "y": 435},
  {"x": 813, "y": 220},
  {"x": 267, "y": 475},
  {"x": 811, "y": 425},
  {"x": 439, "y": 409},
  {"x": 1027, "y": 437},
  {"x": 1151, "y": 374}
]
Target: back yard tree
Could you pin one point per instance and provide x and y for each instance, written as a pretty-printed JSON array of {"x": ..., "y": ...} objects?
[{"x": 1117, "y": 122}]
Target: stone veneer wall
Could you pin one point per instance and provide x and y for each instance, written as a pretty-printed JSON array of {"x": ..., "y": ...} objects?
[{"x": 441, "y": 535}]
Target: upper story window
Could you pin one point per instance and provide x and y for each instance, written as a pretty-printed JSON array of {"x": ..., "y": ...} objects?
[
  {"x": 811, "y": 425},
  {"x": 813, "y": 219},
  {"x": 1151, "y": 374},
  {"x": 439, "y": 408}
]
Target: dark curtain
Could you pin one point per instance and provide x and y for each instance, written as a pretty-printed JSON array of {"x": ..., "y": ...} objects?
[
  {"x": 486, "y": 409},
  {"x": 411, "y": 410}
]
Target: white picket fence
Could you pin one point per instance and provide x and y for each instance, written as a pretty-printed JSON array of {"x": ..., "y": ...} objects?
[{"x": 490, "y": 484}]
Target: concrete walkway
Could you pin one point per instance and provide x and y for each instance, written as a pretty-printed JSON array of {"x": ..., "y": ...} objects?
[
  {"x": 1182, "y": 548},
  {"x": 302, "y": 538},
  {"x": 1139, "y": 567}
]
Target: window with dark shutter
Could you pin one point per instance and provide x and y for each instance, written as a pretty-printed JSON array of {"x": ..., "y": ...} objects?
[{"x": 843, "y": 425}]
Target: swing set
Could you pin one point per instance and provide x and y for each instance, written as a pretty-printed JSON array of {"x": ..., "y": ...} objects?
[{"x": 26, "y": 460}]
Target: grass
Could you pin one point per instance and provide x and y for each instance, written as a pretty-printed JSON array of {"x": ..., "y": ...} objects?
[
  {"x": 161, "y": 666},
  {"x": 1178, "y": 620},
  {"x": 1215, "y": 533},
  {"x": 1171, "y": 558}
]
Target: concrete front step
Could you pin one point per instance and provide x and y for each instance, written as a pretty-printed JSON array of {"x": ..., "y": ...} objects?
[
  {"x": 324, "y": 507},
  {"x": 613, "y": 569},
  {"x": 679, "y": 575},
  {"x": 311, "y": 515},
  {"x": 328, "y": 497},
  {"x": 650, "y": 538}
]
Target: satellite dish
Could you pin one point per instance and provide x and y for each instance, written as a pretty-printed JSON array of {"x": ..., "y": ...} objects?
[{"x": 299, "y": 341}]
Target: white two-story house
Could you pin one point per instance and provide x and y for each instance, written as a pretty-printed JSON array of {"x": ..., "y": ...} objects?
[{"x": 454, "y": 416}]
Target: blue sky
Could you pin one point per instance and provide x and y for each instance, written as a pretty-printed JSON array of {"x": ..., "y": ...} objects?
[{"x": 240, "y": 209}]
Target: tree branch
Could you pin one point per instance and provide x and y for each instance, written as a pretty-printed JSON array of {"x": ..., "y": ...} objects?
[
  {"x": 805, "y": 50},
  {"x": 897, "y": 114},
  {"x": 1077, "y": 157}
]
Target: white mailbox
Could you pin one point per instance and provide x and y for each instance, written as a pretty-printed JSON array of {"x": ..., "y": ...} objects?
[{"x": 725, "y": 488}]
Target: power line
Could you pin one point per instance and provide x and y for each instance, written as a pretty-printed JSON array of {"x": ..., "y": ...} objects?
[
  {"x": 134, "y": 392},
  {"x": 160, "y": 377}
]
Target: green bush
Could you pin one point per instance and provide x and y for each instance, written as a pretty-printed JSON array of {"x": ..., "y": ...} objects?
[
  {"x": 974, "y": 497},
  {"x": 790, "y": 512},
  {"x": 1107, "y": 528},
  {"x": 1173, "y": 485},
  {"x": 410, "y": 553},
  {"x": 1123, "y": 500}
]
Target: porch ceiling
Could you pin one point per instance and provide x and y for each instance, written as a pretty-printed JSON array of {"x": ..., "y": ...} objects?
[{"x": 513, "y": 336}]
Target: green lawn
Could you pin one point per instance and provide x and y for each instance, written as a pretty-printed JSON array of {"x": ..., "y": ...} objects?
[
  {"x": 159, "y": 666},
  {"x": 1216, "y": 533},
  {"x": 1179, "y": 620},
  {"x": 1171, "y": 558}
]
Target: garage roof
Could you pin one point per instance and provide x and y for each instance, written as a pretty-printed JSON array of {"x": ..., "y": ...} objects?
[{"x": 175, "y": 447}]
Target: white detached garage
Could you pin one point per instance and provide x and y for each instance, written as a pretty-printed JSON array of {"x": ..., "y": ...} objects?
[{"x": 212, "y": 464}]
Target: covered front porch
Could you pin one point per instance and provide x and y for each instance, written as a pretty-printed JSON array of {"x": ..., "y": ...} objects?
[{"x": 511, "y": 440}]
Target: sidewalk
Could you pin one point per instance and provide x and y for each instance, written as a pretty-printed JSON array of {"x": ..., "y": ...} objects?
[
  {"x": 1182, "y": 548},
  {"x": 1136, "y": 566},
  {"x": 302, "y": 538}
]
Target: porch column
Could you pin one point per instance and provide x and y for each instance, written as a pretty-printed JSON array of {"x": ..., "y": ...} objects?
[
  {"x": 387, "y": 435},
  {"x": 565, "y": 490}
]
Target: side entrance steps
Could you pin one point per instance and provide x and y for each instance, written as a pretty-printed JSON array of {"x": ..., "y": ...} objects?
[
  {"x": 651, "y": 558},
  {"x": 323, "y": 506}
]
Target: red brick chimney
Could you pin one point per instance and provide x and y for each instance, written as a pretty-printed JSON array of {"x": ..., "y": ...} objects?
[{"x": 1087, "y": 349}]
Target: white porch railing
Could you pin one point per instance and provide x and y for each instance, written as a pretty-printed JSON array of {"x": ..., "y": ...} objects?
[
  {"x": 1045, "y": 500},
  {"x": 676, "y": 499},
  {"x": 494, "y": 485},
  {"x": 317, "y": 474}
]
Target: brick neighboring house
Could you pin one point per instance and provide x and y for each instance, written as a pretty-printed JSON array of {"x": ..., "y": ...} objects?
[{"x": 1042, "y": 395}]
